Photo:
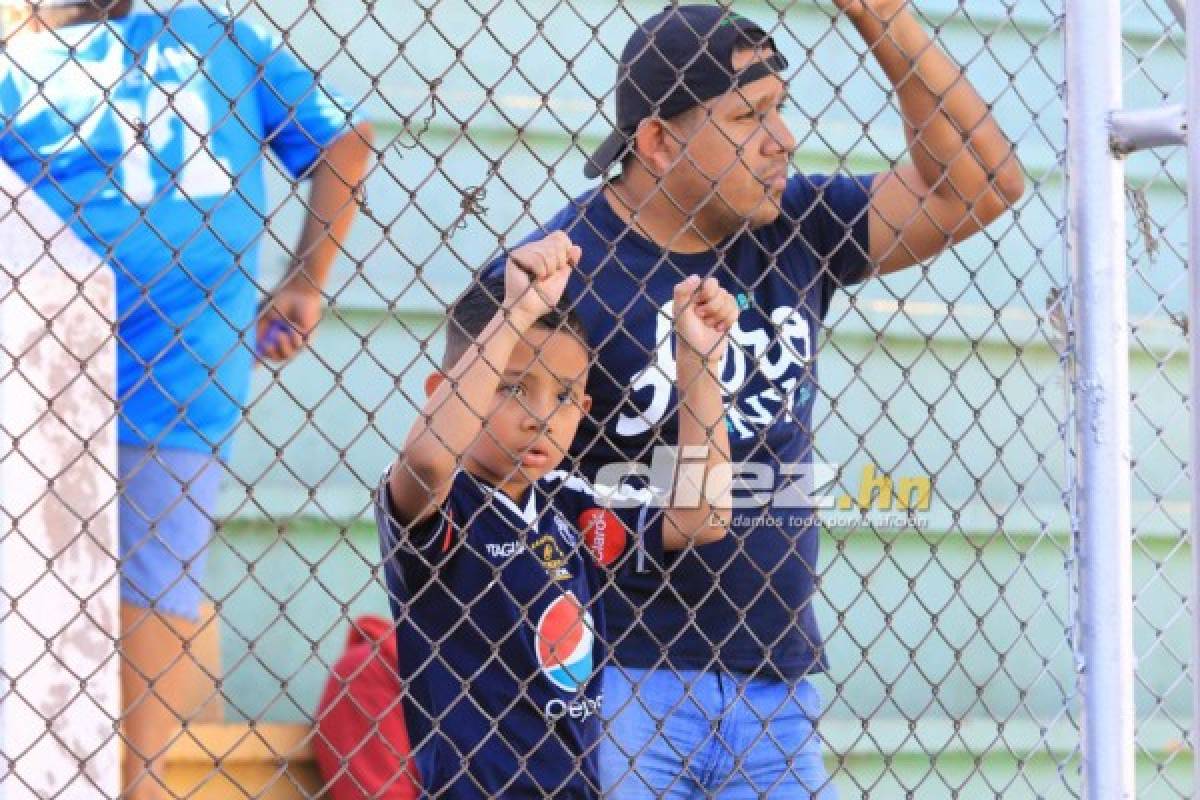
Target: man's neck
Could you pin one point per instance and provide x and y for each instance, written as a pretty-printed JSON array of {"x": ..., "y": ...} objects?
[{"x": 648, "y": 209}]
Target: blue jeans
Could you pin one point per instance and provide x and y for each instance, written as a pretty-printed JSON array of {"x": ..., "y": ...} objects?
[{"x": 691, "y": 734}]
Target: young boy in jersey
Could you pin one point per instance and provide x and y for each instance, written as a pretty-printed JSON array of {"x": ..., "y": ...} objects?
[
  {"x": 494, "y": 557},
  {"x": 147, "y": 131}
]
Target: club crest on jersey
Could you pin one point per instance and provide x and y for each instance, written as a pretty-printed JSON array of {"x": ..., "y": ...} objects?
[
  {"x": 546, "y": 550},
  {"x": 565, "y": 640}
]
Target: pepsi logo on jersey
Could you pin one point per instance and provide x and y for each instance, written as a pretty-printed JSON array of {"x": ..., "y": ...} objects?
[{"x": 565, "y": 638}]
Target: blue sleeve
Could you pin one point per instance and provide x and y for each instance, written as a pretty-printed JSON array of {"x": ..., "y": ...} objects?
[
  {"x": 10, "y": 100},
  {"x": 831, "y": 218},
  {"x": 10, "y": 97},
  {"x": 300, "y": 116}
]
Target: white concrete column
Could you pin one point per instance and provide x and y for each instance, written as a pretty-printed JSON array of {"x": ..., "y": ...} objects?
[{"x": 58, "y": 512}]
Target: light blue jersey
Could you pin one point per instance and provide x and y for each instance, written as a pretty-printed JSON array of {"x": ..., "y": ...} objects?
[{"x": 148, "y": 135}]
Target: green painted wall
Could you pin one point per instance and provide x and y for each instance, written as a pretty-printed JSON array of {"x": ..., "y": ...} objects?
[{"x": 952, "y": 370}]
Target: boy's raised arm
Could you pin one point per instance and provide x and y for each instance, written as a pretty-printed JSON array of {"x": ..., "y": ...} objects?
[
  {"x": 534, "y": 279},
  {"x": 704, "y": 314}
]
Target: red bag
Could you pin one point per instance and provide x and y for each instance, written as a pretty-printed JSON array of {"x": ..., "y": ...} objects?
[{"x": 361, "y": 746}]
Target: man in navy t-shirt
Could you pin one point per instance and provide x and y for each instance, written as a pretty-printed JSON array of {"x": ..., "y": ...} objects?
[
  {"x": 495, "y": 597},
  {"x": 708, "y": 691}
]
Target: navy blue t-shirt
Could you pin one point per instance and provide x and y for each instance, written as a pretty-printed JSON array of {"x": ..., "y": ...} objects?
[
  {"x": 499, "y": 613},
  {"x": 759, "y": 618}
]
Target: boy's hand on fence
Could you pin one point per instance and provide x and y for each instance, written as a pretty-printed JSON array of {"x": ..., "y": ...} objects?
[
  {"x": 535, "y": 276},
  {"x": 704, "y": 314},
  {"x": 288, "y": 319}
]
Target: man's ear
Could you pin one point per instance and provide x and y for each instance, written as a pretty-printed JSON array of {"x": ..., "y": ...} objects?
[
  {"x": 655, "y": 146},
  {"x": 432, "y": 381},
  {"x": 585, "y": 404}
]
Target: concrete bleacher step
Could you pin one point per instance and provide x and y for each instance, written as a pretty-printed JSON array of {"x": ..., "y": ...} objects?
[
  {"x": 230, "y": 760},
  {"x": 217, "y": 760}
]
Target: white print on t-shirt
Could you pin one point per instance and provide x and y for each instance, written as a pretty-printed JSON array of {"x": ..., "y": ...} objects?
[
  {"x": 165, "y": 129},
  {"x": 747, "y": 349}
]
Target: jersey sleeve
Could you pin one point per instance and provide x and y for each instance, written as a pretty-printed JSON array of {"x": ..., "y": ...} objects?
[
  {"x": 411, "y": 553},
  {"x": 10, "y": 101},
  {"x": 300, "y": 115},
  {"x": 621, "y": 527},
  {"x": 831, "y": 217}
]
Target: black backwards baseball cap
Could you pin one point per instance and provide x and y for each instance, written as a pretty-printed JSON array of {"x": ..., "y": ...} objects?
[{"x": 676, "y": 60}]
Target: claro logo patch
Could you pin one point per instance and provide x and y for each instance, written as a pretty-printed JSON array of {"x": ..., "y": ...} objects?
[{"x": 604, "y": 534}]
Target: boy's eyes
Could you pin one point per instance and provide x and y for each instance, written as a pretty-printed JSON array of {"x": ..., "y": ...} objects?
[{"x": 518, "y": 390}]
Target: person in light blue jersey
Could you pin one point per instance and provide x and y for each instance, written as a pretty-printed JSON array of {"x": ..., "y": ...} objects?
[{"x": 148, "y": 132}]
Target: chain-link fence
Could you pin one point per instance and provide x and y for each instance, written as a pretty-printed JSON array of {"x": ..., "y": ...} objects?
[
  {"x": 212, "y": 157},
  {"x": 1156, "y": 203}
]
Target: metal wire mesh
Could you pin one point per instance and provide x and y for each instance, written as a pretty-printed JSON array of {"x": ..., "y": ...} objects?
[
  {"x": 1156, "y": 200},
  {"x": 950, "y": 628}
]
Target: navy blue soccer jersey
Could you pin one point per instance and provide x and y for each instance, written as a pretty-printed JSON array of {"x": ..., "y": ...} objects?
[
  {"x": 760, "y": 617},
  {"x": 498, "y": 625}
]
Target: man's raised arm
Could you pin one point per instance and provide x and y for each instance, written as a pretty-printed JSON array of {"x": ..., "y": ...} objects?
[{"x": 963, "y": 174}]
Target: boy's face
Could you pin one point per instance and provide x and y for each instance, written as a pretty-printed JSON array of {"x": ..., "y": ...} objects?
[{"x": 535, "y": 413}]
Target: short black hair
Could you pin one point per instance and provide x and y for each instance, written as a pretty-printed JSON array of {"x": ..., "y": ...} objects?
[{"x": 476, "y": 307}]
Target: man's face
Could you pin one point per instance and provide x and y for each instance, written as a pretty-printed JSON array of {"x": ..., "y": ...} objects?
[
  {"x": 536, "y": 411},
  {"x": 734, "y": 164}
]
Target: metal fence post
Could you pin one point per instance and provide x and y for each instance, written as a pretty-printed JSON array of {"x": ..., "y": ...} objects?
[
  {"x": 1193, "y": 205},
  {"x": 1096, "y": 242}
]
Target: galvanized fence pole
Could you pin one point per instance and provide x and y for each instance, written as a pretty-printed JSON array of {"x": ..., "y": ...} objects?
[
  {"x": 1096, "y": 242},
  {"x": 1193, "y": 206}
]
